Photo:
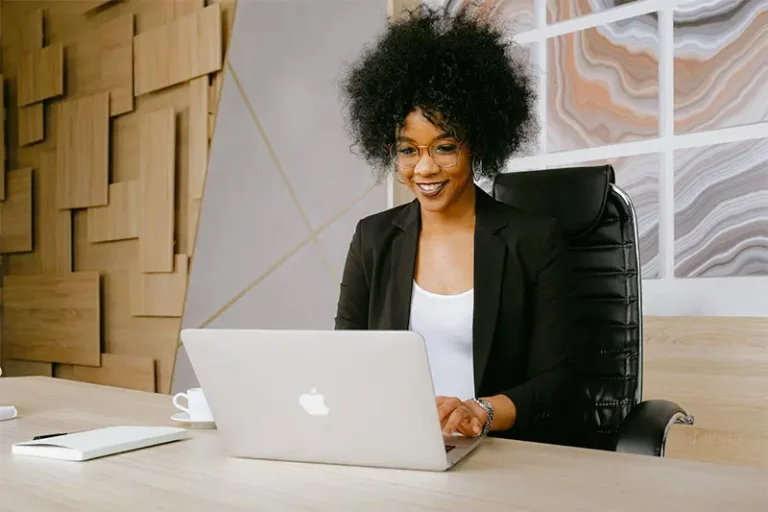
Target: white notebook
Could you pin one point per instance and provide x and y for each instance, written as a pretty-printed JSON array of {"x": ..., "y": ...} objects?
[{"x": 100, "y": 442}]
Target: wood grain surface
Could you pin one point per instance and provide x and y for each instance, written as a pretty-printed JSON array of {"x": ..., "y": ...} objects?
[
  {"x": 157, "y": 190},
  {"x": 41, "y": 75},
  {"x": 119, "y": 220},
  {"x": 83, "y": 152},
  {"x": 16, "y": 212},
  {"x": 162, "y": 293},
  {"x": 180, "y": 51},
  {"x": 717, "y": 369},
  {"x": 102, "y": 61},
  {"x": 194, "y": 474},
  {"x": 52, "y": 318}
]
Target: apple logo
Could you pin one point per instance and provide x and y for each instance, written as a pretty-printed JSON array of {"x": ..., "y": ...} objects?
[{"x": 314, "y": 403}]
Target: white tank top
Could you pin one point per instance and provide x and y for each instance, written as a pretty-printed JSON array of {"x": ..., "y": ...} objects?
[{"x": 445, "y": 322}]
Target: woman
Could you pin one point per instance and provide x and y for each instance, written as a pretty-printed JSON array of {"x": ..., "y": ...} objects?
[{"x": 441, "y": 100}]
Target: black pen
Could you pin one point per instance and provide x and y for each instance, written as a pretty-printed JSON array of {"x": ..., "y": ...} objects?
[{"x": 46, "y": 436}]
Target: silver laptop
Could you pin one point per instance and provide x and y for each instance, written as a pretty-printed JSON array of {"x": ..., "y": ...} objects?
[{"x": 362, "y": 398}]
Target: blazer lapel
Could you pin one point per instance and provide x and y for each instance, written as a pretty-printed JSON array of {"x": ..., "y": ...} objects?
[
  {"x": 404, "y": 249},
  {"x": 490, "y": 254}
]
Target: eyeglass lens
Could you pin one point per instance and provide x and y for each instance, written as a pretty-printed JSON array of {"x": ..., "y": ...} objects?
[{"x": 444, "y": 152}]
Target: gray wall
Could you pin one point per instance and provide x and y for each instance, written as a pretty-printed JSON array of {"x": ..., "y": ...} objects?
[{"x": 283, "y": 191}]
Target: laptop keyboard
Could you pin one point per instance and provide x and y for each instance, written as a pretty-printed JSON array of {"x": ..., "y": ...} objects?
[{"x": 448, "y": 448}]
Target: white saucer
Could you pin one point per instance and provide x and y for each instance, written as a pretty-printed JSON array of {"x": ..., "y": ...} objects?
[{"x": 183, "y": 417}]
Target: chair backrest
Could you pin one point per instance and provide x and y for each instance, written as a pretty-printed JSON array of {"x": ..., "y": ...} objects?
[{"x": 601, "y": 228}]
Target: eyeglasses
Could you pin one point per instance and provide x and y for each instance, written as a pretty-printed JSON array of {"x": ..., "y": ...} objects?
[{"x": 445, "y": 153}]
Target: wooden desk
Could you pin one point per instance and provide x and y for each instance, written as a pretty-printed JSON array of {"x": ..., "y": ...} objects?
[
  {"x": 191, "y": 475},
  {"x": 717, "y": 369}
]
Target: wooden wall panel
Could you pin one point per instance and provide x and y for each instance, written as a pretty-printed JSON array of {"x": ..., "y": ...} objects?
[
  {"x": 102, "y": 60},
  {"x": 61, "y": 237},
  {"x": 52, "y": 227},
  {"x": 16, "y": 213},
  {"x": 41, "y": 75},
  {"x": 30, "y": 118},
  {"x": 55, "y": 242},
  {"x": 82, "y": 141},
  {"x": 52, "y": 318},
  {"x": 131, "y": 372},
  {"x": 198, "y": 135},
  {"x": 161, "y": 294},
  {"x": 180, "y": 51},
  {"x": 124, "y": 333},
  {"x": 717, "y": 369},
  {"x": 31, "y": 32},
  {"x": 2, "y": 138},
  {"x": 157, "y": 158},
  {"x": 98, "y": 4},
  {"x": 16, "y": 368},
  {"x": 198, "y": 153},
  {"x": 31, "y": 124},
  {"x": 118, "y": 220}
]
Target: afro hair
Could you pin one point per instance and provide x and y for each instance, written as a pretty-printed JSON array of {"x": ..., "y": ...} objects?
[{"x": 462, "y": 71}]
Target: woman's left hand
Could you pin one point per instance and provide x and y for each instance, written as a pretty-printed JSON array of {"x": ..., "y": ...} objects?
[{"x": 467, "y": 418}]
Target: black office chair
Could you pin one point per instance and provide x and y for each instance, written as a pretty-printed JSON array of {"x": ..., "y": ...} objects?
[{"x": 601, "y": 228}]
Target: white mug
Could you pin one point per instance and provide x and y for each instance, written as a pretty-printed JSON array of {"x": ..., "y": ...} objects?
[{"x": 197, "y": 406}]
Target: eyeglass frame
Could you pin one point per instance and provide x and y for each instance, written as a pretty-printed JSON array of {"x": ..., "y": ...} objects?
[{"x": 459, "y": 145}]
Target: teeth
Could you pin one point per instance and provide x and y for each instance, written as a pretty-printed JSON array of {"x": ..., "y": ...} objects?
[{"x": 430, "y": 187}]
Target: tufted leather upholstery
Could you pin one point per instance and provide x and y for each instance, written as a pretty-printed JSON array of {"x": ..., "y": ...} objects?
[{"x": 600, "y": 225}]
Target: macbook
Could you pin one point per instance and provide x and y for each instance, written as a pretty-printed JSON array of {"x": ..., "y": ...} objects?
[{"x": 361, "y": 398}]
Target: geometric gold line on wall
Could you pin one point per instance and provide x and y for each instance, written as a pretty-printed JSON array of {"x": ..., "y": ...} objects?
[
  {"x": 244, "y": 183},
  {"x": 279, "y": 166},
  {"x": 313, "y": 237}
]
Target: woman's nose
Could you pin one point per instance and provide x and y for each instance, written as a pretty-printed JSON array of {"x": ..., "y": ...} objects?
[{"x": 426, "y": 164}]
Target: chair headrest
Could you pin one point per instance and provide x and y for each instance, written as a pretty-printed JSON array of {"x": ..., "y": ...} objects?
[{"x": 574, "y": 196}]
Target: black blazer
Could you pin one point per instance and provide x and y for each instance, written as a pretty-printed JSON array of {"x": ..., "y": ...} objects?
[{"x": 523, "y": 315}]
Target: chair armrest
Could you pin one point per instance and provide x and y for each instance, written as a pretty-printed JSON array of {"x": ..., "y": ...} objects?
[{"x": 644, "y": 430}]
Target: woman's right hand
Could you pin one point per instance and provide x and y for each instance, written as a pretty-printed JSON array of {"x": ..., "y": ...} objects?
[{"x": 466, "y": 418}]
